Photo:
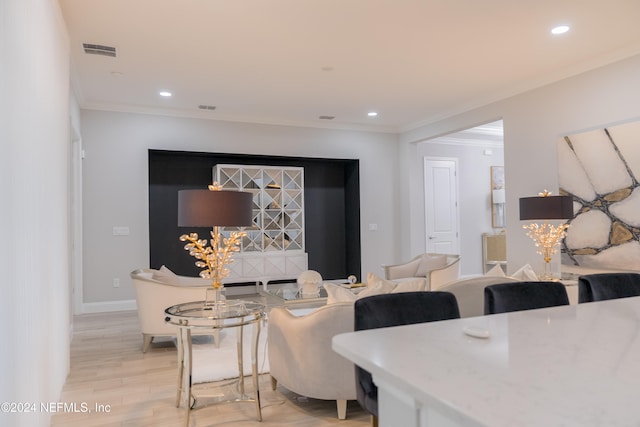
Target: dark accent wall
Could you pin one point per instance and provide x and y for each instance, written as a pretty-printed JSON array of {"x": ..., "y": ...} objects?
[{"x": 331, "y": 198}]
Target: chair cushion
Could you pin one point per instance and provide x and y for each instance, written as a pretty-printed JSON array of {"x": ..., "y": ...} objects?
[
  {"x": 406, "y": 284},
  {"x": 414, "y": 285},
  {"x": 336, "y": 293},
  {"x": 431, "y": 262}
]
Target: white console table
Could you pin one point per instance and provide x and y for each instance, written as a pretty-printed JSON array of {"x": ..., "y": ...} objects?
[
  {"x": 265, "y": 267},
  {"x": 574, "y": 365}
]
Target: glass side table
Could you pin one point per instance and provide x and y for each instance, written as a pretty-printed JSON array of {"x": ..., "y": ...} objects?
[{"x": 200, "y": 315}]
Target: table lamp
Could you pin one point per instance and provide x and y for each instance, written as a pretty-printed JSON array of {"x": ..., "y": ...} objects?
[
  {"x": 214, "y": 208},
  {"x": 546, "y": 236}
]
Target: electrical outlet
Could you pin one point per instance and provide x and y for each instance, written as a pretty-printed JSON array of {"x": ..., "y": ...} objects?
[{"x": 116, "y": 282}]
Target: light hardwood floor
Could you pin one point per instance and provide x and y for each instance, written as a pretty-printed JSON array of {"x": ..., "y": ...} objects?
[{"x": 109, "y": 368}]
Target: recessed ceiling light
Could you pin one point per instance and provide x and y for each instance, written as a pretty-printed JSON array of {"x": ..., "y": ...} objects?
[
  {"x": 372, "y": 114},
  {"x": 165, "y": 93},
  {"x": 560, "y": 29}
]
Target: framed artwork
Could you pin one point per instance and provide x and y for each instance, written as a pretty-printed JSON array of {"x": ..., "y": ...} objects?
[
  {"x": 600, "y": 170},
  {"x": 497, "y": 197}
]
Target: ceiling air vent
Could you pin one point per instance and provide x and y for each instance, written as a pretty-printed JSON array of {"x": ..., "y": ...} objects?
[
  {"x": 327, "y": 117},
  {"x": 206, "y": 107},
  {"x": 98, "y": 49}
]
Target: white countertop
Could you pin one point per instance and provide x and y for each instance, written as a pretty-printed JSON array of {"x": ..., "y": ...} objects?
[{"x": 575, "y": 365}]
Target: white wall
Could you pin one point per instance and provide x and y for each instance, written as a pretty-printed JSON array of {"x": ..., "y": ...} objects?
[
  {"x": 115, "y": 185},
  {"x": 533, "y": 122},
  {"x": 115, "y": 170},
  {"x": 474, "y": 184},
  {"x": 34, "y": 171}
]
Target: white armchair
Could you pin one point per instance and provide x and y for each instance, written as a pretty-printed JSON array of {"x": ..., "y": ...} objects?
[
  {"x": 301, "y": 358},
  {"x": 154, "y": 295},
  {"x": 438, "y": 269}
]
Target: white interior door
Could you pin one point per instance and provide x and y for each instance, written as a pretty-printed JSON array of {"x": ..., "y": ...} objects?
[{"x": 441, "y": 204}]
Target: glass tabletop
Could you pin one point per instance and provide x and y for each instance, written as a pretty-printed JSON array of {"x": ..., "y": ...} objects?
[
  {"x": 198, "y": 313},
  {"x": 292, "y": 293}
]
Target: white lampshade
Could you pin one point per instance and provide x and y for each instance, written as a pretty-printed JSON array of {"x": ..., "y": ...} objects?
[{"x": 498, "y": 196}]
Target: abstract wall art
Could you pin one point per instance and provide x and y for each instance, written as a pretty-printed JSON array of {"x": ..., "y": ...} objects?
[{"x": 600, "y": 170}]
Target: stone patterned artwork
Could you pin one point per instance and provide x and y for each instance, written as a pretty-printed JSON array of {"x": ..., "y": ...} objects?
[{"x": 600, "y": 170}]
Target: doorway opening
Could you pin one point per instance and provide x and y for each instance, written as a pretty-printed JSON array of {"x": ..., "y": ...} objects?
[{"x": 462, "y": 170}]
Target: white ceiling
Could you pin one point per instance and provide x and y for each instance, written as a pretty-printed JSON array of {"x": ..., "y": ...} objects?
[{"x": 291, "y": 61}]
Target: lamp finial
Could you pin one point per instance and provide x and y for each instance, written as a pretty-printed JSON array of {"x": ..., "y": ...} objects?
[{"x": 215, "y": 186}]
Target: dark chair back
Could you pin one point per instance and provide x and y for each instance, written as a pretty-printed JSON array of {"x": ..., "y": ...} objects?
[
  {"x": 604, "y": 286},
  {"x": 506, "y": 297},
  {"x": 404, "y": 308}
]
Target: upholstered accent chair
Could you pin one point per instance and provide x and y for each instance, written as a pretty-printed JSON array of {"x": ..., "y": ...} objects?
[
  {"x": 300, "y": 354},
  {"x": 469, "y": 292},
  {"x": 604, "y": 286},
  {"x": 405, "y": 308},
  {"x": 438, "y": 269},
  {"x": 157, "y": 290},
  {"x": 507, "y": 297}
]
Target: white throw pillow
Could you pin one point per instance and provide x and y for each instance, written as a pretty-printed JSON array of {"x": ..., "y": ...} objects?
[
  {"x": 373, "y": 280},
  {"x": 378, "y": 288},
  {"x": 429, "y": 263},
  {"x": 526, "y": 274},
  {"x": 165, "y": 275},
  {"x": 336, "y": 293},
  {"x": 496, "y": 271}
]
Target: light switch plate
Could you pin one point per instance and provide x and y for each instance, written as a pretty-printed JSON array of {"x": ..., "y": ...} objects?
[{"x": 120, "y": 231}]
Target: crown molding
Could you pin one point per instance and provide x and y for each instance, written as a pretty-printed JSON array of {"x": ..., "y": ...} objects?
[{"x": 208, "y": 115}]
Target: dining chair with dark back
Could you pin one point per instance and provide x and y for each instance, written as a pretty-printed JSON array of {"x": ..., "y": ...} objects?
[
  {"x": 605, "y": 286},
  {"x": 516, "y": 296},
  {"x": 395, "y": 309}
]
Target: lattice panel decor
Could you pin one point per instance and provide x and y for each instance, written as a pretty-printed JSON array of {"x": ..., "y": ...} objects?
[{"x": 278, "y": 205}]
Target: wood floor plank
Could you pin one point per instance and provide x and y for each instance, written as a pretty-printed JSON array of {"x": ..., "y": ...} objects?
[{"x": 135, "y": 389}]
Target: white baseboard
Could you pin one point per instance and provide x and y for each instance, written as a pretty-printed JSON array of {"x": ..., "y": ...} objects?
[{"x": 108, "y": 306}]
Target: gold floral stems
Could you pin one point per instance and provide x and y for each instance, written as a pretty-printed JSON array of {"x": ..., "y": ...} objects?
[
  {"x": 212, "y": 259},
  {"x": 547, "y": 238}
]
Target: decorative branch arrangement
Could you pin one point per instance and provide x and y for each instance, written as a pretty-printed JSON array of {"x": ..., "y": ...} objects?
[
  {"x": 212, "y": 259},
  {"x": 546, "y": 237}
]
